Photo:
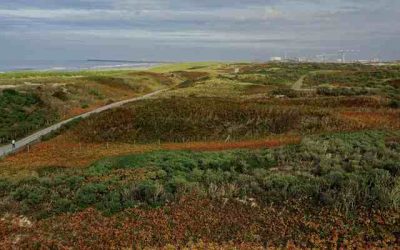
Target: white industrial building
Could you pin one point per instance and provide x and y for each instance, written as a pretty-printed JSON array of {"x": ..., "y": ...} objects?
[{"x": 276, "y": 59}]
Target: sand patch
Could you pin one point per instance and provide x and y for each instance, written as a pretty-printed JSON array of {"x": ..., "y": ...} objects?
[{"x": 8, "y": 86}]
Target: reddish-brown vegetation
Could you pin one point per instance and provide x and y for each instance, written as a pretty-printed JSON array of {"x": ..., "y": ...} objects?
[
  {"x": 215, "y": 146},
  {"x": 374, "y": 119},
  {"x": 205, "y": 119},
  {"x": 329, "y": 102},
  {"x": 66, "y": 152},
  {"x": 339, "y": 191},
  {"x": 191, "y": 220},
  {"x": 395, "y": 83}
]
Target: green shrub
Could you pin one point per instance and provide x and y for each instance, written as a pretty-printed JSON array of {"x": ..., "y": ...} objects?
[
  {"x": 90, "y": 194},
  {"x": 61, "y": 130},
  {"x": 96, "y": 93},
  {"x": 341, "y": 91},
  {"x": 394, "y": 104},
  {"x": 113, "y": 202},
  {"x": 392, "y": 166},
  {"x": 286, "y": 92},
  {"x": 60, "y": 95},
  {"x": 22, "y": 113},
  {"x": 214, "y": 176},
  {"x": 63, "y": 205},
  {"x": 279, "y": 187},
  {"x": 84, "y": 105},
  {"x": 10, "y": 92},
  {"x": 394, "y": 194},
  {"x": 5, "y": 187},
  {"x": 150, "y": 192},
  {"x": 73, "y": 182},
  {"x": 31, "y": 195},
  {"x": 343, "y": 171}
]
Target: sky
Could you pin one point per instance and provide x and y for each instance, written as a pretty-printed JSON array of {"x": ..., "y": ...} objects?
[{"x": 197, "y": 30}]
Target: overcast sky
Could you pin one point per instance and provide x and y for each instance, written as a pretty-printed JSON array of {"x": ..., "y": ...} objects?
[{"x": 197, "y": 29}]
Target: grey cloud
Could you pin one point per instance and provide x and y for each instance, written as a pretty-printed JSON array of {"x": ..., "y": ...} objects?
[{"x": 262, "y": 27}]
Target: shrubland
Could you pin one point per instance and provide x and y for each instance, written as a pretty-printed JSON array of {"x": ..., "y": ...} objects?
[
  {"x": 202, "y": 119},
  {"x": 21, "y": 113},
  {"x": 33, "y": 100},
  {"x": 331, "y": 178},
  {"x": 353, "y": 77},
  {"x": 64, "y": 94},
  {"x": 338, "y": 170},
  {"x": 231, "y": 156}
]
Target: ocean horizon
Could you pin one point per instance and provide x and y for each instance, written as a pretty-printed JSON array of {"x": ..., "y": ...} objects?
[{"x": 69, "y": 65}]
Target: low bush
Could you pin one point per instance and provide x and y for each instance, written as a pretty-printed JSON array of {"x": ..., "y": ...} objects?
[
  {"x": 286, "y": 92},
  {"x": 151, "y": 192},
  {"x": 30, "y": 194},
  {"x": 273, "y": 74},
  {"x": 355, "y": 76},
  {"x": 5, "y": 187},
  {"x": 61, "y": 95},
  {"x": 394, "y": 103},
  {"x": 61, "y": 130},
  {"x": 22, "y": 113},
  {"x": 90, "y": 194},
  {"x": 199, "y": 119},
  {"x": 343, "y": 171},
  {"x": 341, "y": 91}
]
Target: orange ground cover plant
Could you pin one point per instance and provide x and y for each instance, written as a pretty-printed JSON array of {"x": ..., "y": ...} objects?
[{"x": 63, "y": 151}]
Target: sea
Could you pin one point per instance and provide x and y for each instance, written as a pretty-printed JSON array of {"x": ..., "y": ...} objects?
[{"x": 70, "y": 65}]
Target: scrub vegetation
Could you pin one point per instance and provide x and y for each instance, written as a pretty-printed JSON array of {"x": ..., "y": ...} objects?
[
  {"x": 33, "y": 100},
  {"x": 231, "y": 156},
  {"x": 22, "y": 113},
  {"x": 341, "y": 176}
]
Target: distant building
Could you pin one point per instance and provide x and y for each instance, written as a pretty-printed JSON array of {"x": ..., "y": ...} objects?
[
  {"x": 276, "y": 58},
  {"x": 302, "y": 59}
]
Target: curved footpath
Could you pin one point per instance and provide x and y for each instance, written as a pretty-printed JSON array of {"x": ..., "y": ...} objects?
[
  {"x": 299, "y": 83},
  {"x": 7, "y": 149}
]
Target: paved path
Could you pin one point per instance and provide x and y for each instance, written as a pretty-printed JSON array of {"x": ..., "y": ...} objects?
[
  {"x": 7, "y": 149},
  {"x": 299, "y": 83}
]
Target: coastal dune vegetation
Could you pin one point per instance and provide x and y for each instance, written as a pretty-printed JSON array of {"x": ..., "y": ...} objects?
[{"x": 229, "y": 156}]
